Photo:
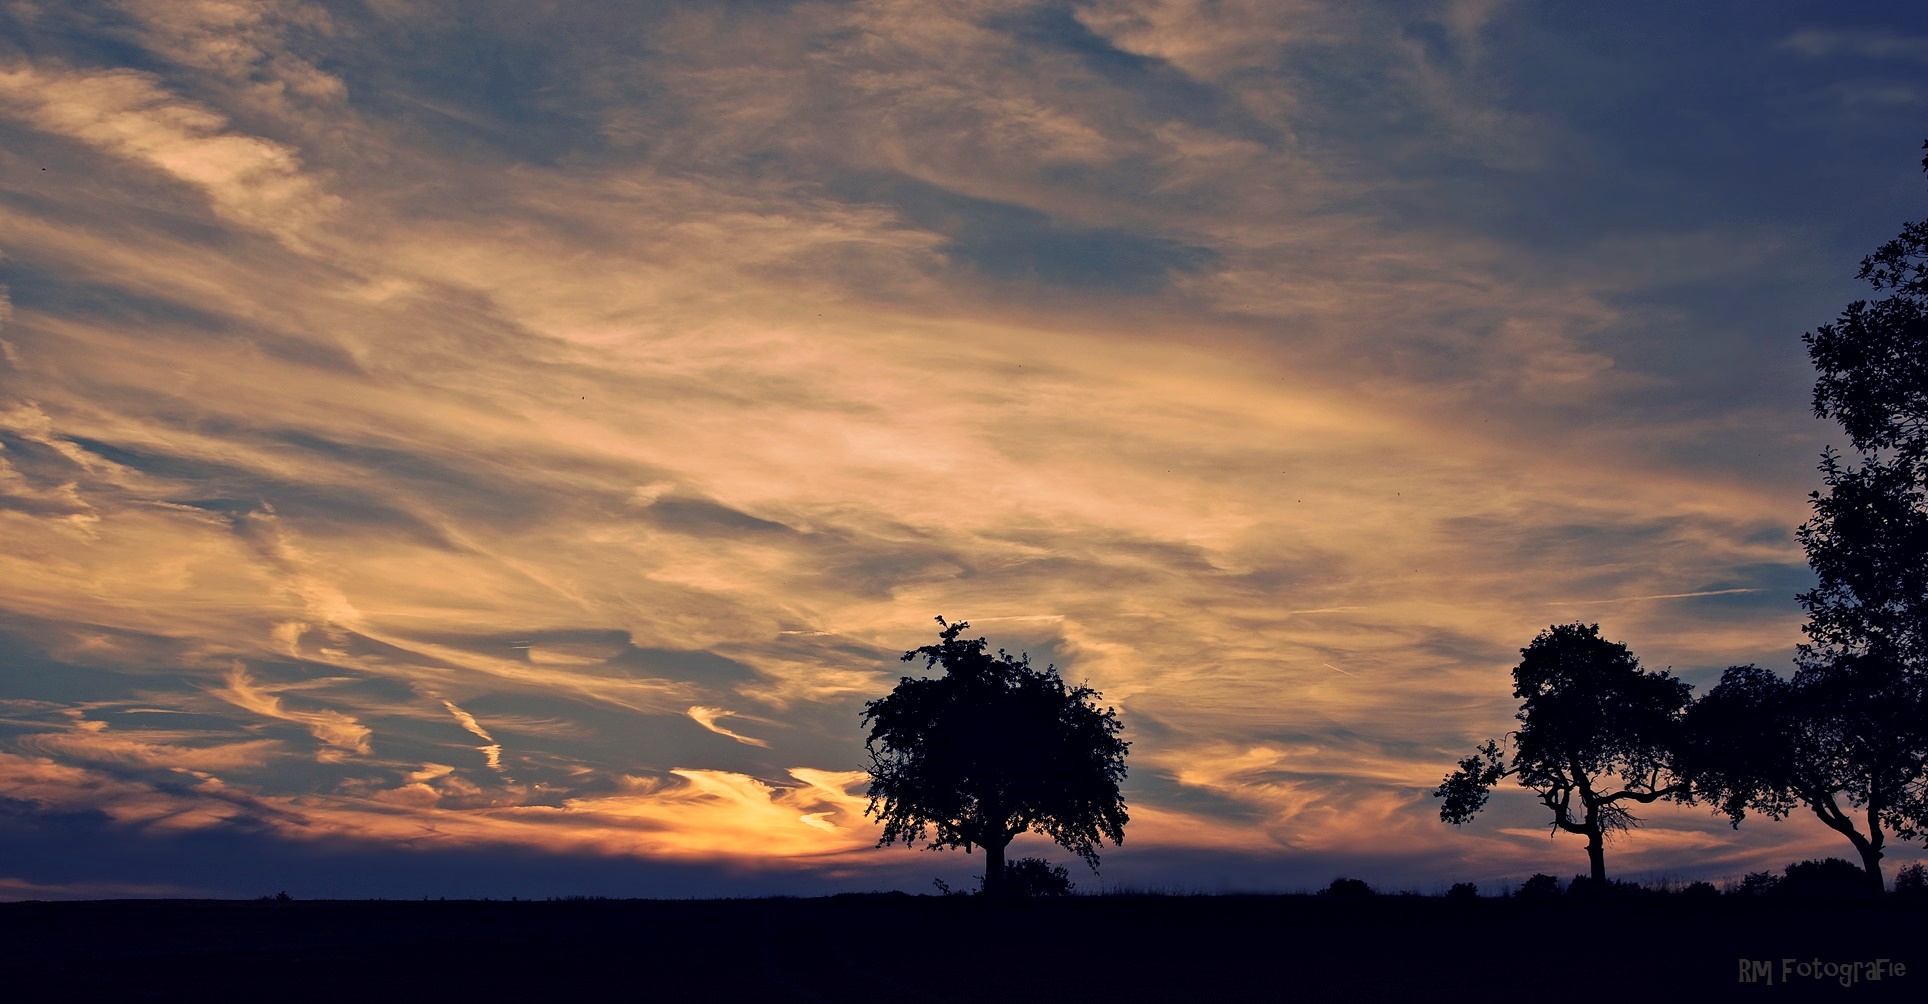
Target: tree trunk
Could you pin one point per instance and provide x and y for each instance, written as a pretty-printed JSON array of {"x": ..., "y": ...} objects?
[
  {"x": 1597, "y": 858},
  {"x": 994, "y": 871},
  {"x": 1871, "y": 863},
  {"x": 1869, "y": 846},
  {"x": 1596, "y": 832}
]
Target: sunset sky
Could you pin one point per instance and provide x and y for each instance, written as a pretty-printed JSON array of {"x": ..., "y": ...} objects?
[{"x": 463, "y": 448}]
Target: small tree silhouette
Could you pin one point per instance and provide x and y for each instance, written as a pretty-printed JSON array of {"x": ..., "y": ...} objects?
[
  {"x": 1595, "y": 729},
  {"x": 992, "y": 749}
]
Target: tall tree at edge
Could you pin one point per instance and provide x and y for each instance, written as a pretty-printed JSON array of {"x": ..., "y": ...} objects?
[{"x": 1868, "y": 545}]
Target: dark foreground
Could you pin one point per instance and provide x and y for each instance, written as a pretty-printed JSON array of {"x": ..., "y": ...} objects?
[{"x": 918, "y": 949}]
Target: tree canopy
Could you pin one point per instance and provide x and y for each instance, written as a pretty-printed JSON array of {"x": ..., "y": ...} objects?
[
  {"x": 1844, "y": 739},
  {"x": 1873, "y": 360},
  {"x": 1848, "y": 735},
  {"x": 992, "y": 749},
  {"x": 1868, "y": 538},
  {"x": 1596, "y": 732}
]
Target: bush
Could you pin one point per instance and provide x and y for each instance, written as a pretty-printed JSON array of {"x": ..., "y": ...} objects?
[
  {"x": 1700, "y": 890},
  {"x": 1347, "y": 888},
  {"x": 1584, "y": 886},
  {"x": 1463, "y": 890},
  {"x": 1540, "y": 886},
  {"x": 1831, "y": 878},
  {"x": 1035, "y": 877},
  {"x": 1911, "y": 882},
  {"x": 1756, "y": 884}
]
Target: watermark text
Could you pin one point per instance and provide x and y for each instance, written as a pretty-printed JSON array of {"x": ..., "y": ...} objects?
[{"x": 1769, "y": 972}]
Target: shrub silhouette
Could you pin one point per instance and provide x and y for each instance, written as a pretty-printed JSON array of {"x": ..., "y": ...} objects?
[
  {"x": 1911, "y": 882},
  {"x": 1830, "y": 878},
  {"x": 1463, "y": 890},
  {"x": 1540, "y": 886},
  {"x": 1757, "y": 884},
  {"x": 1585, "y": 886},
  {"x": 1032, "y": 878},
  {"x": 1347, "y": 888}
]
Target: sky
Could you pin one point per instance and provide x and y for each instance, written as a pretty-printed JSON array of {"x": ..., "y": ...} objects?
[{"x": 488, "y": 449}]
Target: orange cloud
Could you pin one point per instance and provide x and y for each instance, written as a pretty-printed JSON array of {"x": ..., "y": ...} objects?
[{"x": 340, "y": 734}]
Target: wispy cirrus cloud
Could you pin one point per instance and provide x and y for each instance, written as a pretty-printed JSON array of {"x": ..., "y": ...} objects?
[
  {"x": 1874, "y": 43},
  {"x": 340, "y": 733}
]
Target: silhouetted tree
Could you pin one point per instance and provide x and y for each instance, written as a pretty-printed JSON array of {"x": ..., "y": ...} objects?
[
  {"x": 992, "y": 749},
  {"x": 1845, "y": 737},
  {"x": 1596, "y": 732},
  {"x": 1848, "y": 735}
]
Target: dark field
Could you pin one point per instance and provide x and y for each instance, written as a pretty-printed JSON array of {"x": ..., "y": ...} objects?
[{"x": 914, "y": 949}]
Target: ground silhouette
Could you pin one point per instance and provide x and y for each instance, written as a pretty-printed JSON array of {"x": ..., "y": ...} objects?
[{"x": 1114, "y": 949}]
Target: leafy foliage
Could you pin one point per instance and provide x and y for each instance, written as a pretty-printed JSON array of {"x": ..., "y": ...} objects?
[
  {"x": 1873, "y": 361},
  {"x": 1466, "y": 789},
  {"x": 1868, "y": 539},
  {"x": 1846, "y": 738},
  {"x": 991, "y": 749},
  {"x": 1742, "y": 746},
  {"x": 1596, "y": 732},
  {"x": 1868, "y": 545}
]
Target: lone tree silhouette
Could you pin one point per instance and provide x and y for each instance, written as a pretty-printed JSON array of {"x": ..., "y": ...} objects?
[
  {"x": 992, "y": 749},
  {"x": 1595, "y": 729},
  {"x": 1848, "y": 736}
]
